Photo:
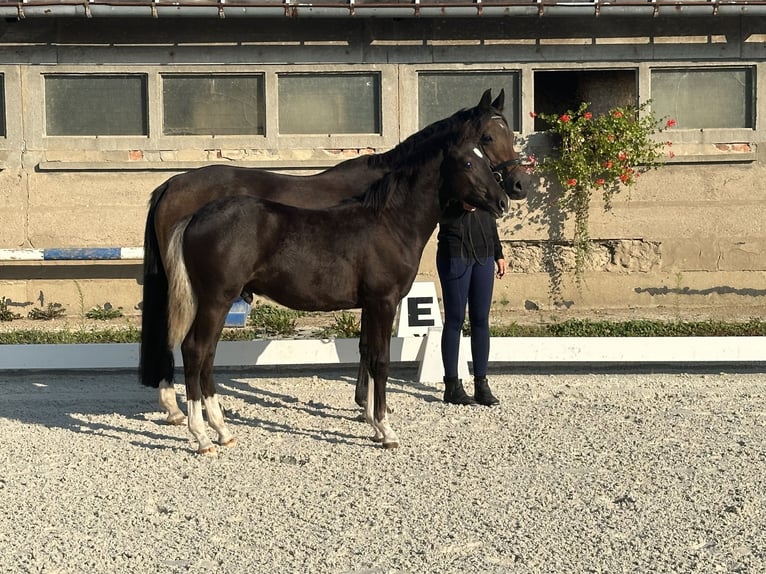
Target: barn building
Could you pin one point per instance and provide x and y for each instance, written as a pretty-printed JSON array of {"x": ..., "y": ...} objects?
[{"x": 104, "y": 100}]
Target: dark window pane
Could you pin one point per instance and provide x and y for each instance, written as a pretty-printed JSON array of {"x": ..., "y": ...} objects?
[
  {"x": 78, "y": 105},
  {"x": 214, "y": 105},
  {"x": 329, "y": 104},
  {"x": 559, "y": 91},
  {"x": 441, "y": 94},
  {"x": 3, "y": 133},
  {"x": 721, "y": 98}
]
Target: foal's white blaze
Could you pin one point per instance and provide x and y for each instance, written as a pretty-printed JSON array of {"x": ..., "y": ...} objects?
[
  {"x": 168, "y": 403},
  {"x": 478, "y": 153},
  {"x": 216, "y": 421},
  {"x": 197, "y": 428}
]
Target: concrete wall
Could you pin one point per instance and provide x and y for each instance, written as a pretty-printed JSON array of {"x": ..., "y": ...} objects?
[{"x": 689, "y": 239}]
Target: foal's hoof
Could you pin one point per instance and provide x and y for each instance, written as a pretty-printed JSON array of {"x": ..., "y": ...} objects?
[
  {"x": 207, "y": 451},
  {"x": 229, "y": 443},
  {"x": 390, "y": 445},
  {"x": 176, "y": 419}
]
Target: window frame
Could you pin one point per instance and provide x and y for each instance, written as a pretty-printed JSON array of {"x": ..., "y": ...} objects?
[
  {"x": 164, "y": 75},
  {"x": 12, "y": 141},
  {"x": 34, "y": 77},
  {"x": 710, "y": 135},
  {"x": 408, "y": 84}
]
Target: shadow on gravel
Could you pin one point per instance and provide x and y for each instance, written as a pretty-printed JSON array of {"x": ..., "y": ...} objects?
[
  {"x": 75, "y": 401},
  {"x": 229, "y": 385},
  {"x": 79, "y": 401}
]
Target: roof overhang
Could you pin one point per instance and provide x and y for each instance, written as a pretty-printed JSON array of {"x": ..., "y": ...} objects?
[{"x": 376, "y": 8}]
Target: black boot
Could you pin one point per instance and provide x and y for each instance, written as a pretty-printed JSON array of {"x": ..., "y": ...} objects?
[
  {"x": 483, "y": 394},
  {"x": 455, "y": 394}
]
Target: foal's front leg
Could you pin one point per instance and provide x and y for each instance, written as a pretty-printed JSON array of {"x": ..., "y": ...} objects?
[
  {"x": 379, "y": 356},
  {"x": 361, "y": 396}
]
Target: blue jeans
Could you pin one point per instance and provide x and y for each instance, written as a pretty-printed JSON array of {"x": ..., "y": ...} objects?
[{"x": 466, "y": 282}]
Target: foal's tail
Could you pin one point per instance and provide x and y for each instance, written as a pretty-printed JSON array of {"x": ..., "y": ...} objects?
[
  {"x": 156, "y": 354},
  {"x": 181, "y": 298}
]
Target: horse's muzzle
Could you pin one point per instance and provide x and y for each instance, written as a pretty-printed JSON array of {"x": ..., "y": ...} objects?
[{"x": 515, "y": 181}]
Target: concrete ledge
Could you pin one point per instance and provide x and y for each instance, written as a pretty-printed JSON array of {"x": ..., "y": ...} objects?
[{"x": 504, "y": 351}]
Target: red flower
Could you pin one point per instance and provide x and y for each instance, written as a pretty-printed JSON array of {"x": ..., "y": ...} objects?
[
  {"x": 670, "y": 123},
  {"x": 571, "y": 182},
  {"x": 608, "y": 164},
  {"x": 600, "y": 181},
  {"x": 622, "y": 156},
  {"x": 565, "y": 118},
  {"x": 617, "y": 114},
  {"x": 532, "y": 114},
  {"x": 587, "y": 115},
  {"x": 625, "y": 177}
]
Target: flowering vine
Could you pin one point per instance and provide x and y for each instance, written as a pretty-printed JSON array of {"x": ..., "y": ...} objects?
[{"x": 599, "y": 154}]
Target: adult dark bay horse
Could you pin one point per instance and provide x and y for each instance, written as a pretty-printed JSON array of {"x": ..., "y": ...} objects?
[
  {"x": 363, "y": 254},
  {"x": 183, "y": 194}
]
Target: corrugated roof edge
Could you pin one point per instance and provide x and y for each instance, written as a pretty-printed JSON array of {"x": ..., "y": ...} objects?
[{"x": 375, "y": 9}]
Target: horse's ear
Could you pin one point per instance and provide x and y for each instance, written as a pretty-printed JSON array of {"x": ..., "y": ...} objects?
[
  {"x": 499, "y": 102},
  {"x": 486, "y": 98}
]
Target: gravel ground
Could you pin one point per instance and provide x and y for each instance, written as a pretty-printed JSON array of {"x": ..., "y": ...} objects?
[{"x": 573, "y": 473}]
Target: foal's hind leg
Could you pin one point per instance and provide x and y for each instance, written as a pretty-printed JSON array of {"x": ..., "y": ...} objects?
[{"x": 198, "y": 351}]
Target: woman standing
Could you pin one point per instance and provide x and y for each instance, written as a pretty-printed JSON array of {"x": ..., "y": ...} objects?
[{"x": 468, "y": 257}]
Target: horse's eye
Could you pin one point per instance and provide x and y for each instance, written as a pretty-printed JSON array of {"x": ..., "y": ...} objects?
[
  {"x": 486, "y": 139},
  {"x": 468, "y": 165}
]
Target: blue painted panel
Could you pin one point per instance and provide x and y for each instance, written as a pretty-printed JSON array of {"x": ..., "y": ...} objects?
[
  {"x": 237, "y": 316},
  {"x": 81, "y": 254}
]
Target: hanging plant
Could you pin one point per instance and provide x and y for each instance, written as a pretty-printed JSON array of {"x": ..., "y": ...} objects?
[{"x": 599, "y": 154}]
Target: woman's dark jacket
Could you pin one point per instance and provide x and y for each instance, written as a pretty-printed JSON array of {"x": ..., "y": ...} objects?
[{"x": 468, "y": 234}]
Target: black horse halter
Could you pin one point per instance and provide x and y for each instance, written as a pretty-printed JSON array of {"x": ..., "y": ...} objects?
[{"x": 499, "y": 169}]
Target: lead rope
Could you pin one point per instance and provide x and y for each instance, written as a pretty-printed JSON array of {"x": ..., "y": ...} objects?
[{"x": 470, "y": 240}]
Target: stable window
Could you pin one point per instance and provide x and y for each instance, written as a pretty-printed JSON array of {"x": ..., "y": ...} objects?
[
  {"x": 332, "y": 103},
  {"x": 213, "y": 105},
  {"x": 560, "y": 91},
  {"x": 709, "y": 98},
  {"x": 95, "y": 105},
  {"x": 441, "y": 94}
]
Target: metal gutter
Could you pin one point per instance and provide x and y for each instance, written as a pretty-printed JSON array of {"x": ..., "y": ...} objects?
[{"x": 367, "y": 9}]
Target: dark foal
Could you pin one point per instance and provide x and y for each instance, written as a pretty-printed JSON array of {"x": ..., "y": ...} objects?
[{"x": 362, "y": 254}]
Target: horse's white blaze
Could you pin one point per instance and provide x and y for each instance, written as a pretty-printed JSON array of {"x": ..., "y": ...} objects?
[
  {"x": 197, "y": 426},
  {"x": 168, "y": 403},
  {"x": 478, "y": 153},
  {"x": 501, "y": 122},
  {"x": 216, "y": 420}
]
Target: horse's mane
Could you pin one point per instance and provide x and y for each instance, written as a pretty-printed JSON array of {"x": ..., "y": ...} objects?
[
  {"x": 414, "y": 152},
  {"x": 435, "y": 132}
]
